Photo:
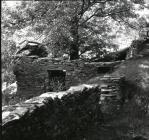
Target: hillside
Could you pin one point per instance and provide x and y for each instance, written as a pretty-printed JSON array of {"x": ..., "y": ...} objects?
[
  {"x": 133, "y": 119},
  {"x": 136, "y": 72}
]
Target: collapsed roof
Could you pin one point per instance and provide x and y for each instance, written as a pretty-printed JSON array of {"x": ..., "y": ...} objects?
[{"x": 32, "y": 48}]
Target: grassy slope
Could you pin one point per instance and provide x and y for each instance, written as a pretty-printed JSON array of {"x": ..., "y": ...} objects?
[
  {"x": 135, "y": 114},
  {"x": 136, "y": 71},
  {"x": 133, "y": 118}
]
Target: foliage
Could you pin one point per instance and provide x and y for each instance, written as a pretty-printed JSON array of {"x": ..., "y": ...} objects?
[
  {"x": 64, "y": 23},
  {"x": 74, "y": 28},
  {"x": 56, "y": 84},
  {"x": 8, "y": 99}
]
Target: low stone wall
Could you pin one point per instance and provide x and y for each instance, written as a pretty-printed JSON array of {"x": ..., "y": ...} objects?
[
  {"x": 32, "y": 73},
  {"x": 110, "y": 89},
  {"x": 15, "y": 112},
  {"x": 39, "y": 118},
  {"x": 49, "y": 115},
  {"x": 75, "y": 114}
]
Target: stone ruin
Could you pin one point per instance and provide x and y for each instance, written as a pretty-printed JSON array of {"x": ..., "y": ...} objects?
[
  {"x": 36, "y": 76},
  {"x": 31, "y": 48},
  {"x": 36, "y": 73}
]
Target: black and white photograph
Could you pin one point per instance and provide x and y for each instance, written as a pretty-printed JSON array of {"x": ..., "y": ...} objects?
[{"x": 75, "y": 69}]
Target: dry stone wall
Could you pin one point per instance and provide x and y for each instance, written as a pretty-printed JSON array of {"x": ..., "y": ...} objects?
[
  {"x": 39, "y": 118},
  {"x": 49, "y": 115},
  {"x": 111, "y": 88},
  {"x": 32, "y": 73},
  {"x": 112, "y": 94}
]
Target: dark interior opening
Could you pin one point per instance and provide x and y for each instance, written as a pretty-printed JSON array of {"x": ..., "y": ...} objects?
[
  {"x": 56, "y": 80},
  {"x": 104, "y": 69}
]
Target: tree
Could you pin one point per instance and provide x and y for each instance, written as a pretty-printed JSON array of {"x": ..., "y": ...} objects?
[
  {"x": 79, "y": 29},
  {"x": 73, "y": 27},
  {"x": 8, "y": 46}
]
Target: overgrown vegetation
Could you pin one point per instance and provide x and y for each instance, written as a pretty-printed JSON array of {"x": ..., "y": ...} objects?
[{"x": 8, "y": 99}]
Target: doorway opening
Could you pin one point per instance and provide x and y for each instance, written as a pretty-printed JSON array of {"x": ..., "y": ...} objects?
[{"x": 104, "y": 69}]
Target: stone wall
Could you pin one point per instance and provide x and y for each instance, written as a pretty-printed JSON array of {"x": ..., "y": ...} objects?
[
  {"x": 74, "y": 114},
  {"x": 49, "y": 115},
  {"x": 32, "y": 73},
  {"x": 112, "y": 94},
  {"x": 111, "y": 90}
]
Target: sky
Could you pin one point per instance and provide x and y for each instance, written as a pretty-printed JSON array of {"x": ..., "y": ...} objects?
[{"x": 124, "y": 40}]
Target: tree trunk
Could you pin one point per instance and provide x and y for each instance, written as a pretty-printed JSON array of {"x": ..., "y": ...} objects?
[{"x": 74, "y": 47}]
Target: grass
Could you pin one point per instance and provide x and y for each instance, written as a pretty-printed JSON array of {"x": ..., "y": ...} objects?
[{"x": 133, "y": 118}]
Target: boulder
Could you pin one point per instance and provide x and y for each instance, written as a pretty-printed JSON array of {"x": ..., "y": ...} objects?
[
  {"x": 9, "y": 93},
  {"x": 31, "y": 48}
]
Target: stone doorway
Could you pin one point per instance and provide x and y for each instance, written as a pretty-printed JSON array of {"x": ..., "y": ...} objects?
[{"x": 56, "y": 80}]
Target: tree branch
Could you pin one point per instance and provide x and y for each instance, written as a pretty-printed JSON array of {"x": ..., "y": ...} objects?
[
  {"x": 84, "y": 9},
  {"x": 90, "y": 17},
  {"x": 87, "y": 49},
  {"x": 130, "y": 25},
  {"x": 102, "y": 14}
]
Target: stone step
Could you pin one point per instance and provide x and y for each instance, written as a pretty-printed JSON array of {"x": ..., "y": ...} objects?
[
  {"x": 109, "y": 90},
  {"x": 110, "y": 87},
  {"x": 108, "y": 95}
]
